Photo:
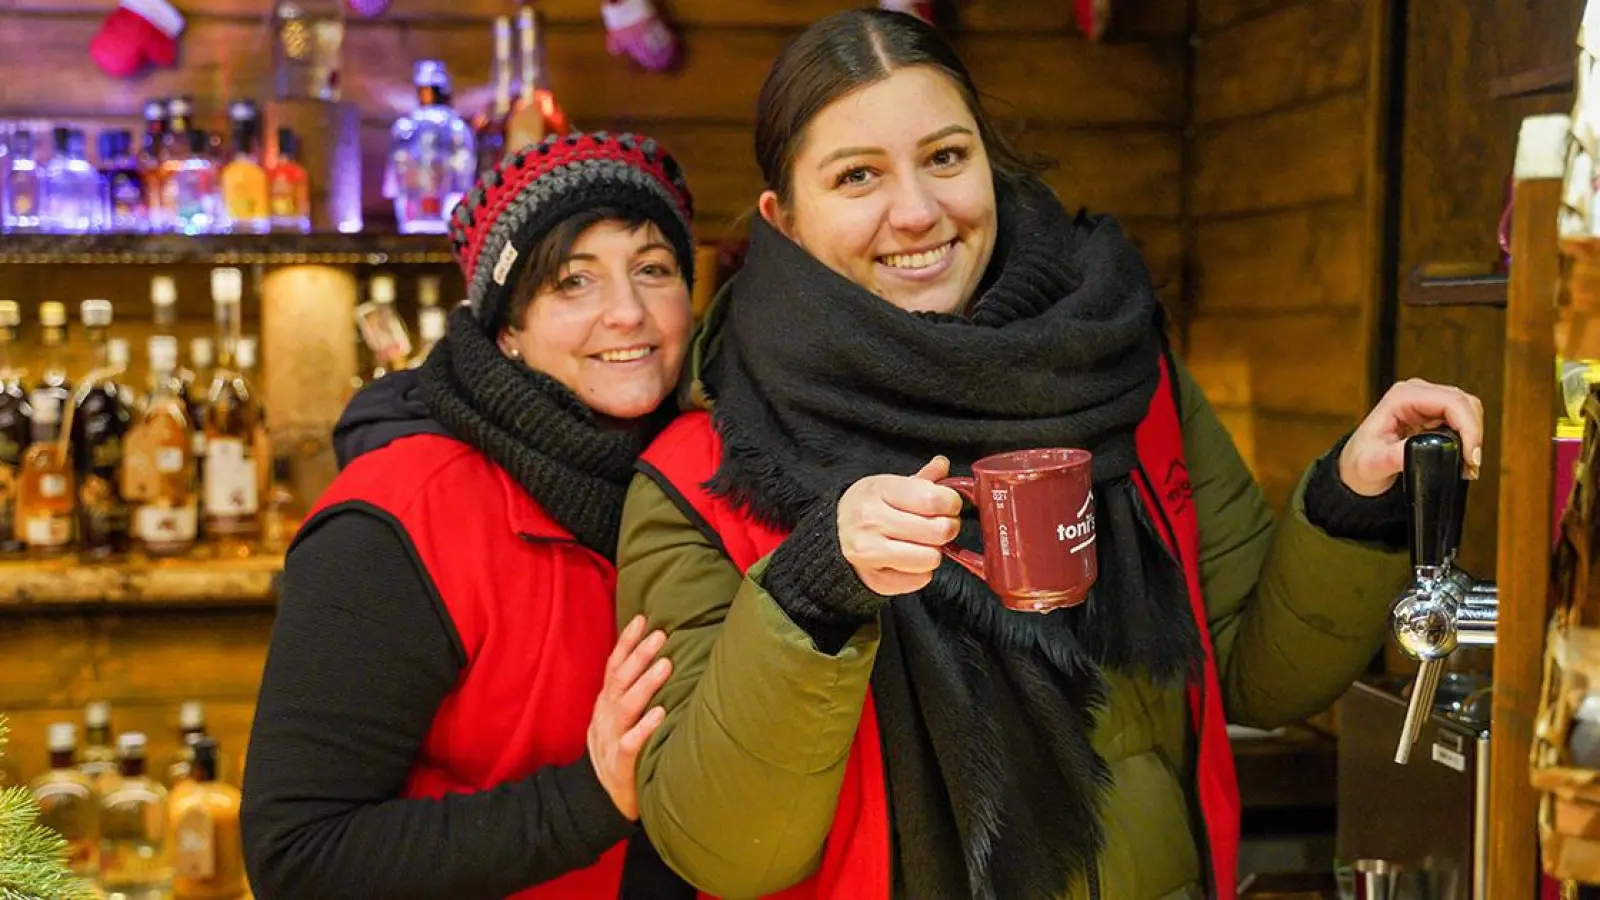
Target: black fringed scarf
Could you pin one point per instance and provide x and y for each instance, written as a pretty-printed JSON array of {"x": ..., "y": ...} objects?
[
  {"x": 987, "y": 714},
  {"x": 536, "y": 429}
]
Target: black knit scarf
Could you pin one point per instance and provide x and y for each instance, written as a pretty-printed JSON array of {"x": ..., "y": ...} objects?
[
  {"x": 986, "y": 714},
  {"x": 536, "y": 429}
]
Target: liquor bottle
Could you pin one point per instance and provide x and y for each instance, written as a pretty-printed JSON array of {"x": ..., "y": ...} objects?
[
  {"x": 127, "y": 204},
  {"x": 158, "y": 473},
  {"x": 307, "y": 49},
  {"x": 244, "y": 180},
  {"x": 21, "y": 194},
  {"x": 15, "y": 424},
  {"x": 45, "y": 490},
  {"x": 67, "y": 802},
  {"x": 209, "y": 859},
  {"x": 70, "y": 201},
  {"x": 191, "y": 728},
  {"x": 232, "y": 419},
  {"x": 535, "y": 112},
  {"x": 99, "y": 763},
  {"x": 191, "y": 186},
  {"x": 432, "y": 156},
  {"x": 99, "y": 426},
  {"x": 149, "y": 161},
  {"x": 430, "y": 329},
  {"x": 135, "y": 853},
  {"x": 281, "y": 516},
  {"x": 427, "y": 291},
  {"x": 382, "y": 328},
  {"x": 490, "y": 126},
  {"x": 246, "y": 357},
  {"x": 289, "y": 187}
]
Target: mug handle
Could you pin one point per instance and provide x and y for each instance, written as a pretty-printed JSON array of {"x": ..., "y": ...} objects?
[{"x": 963, "y": 557}]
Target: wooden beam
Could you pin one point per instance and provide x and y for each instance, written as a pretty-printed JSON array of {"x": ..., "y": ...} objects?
[{"x": 1527, "y": 426}]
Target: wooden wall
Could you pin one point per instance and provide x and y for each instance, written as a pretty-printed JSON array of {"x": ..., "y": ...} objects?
[
  {"x": 1283, "y": 210},
  {"x": 1112, "y": 114}
]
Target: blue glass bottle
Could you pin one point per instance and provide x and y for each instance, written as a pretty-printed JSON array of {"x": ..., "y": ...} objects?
[
  {"x": 127, "y": 207},
  {"x": 433, "y": 156},
  {"x": 70, "y": 199},
  {"x": 21, "y": 194}
]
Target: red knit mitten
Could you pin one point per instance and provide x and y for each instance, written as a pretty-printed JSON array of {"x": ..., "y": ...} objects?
[
  {"x": 1093, "y": 16},
  {"x": 635, "y": 27},
  {"x": 137, "y": 33}
]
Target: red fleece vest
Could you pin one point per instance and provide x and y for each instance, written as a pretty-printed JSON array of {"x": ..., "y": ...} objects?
[
  {"x": 535, "y": 611},
  {"x": 855, "y": 862}
]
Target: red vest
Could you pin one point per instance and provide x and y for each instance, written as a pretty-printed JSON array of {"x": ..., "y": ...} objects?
[
  {"x": 535, "y": 611},
  {"x": 855, "y": 862}
]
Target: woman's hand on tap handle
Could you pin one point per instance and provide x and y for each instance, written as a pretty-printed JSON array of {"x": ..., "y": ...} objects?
[{"x": 1375, "y": 454}]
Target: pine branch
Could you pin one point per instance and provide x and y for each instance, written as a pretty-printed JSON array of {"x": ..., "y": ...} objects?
[{"x": 33, "y": 862}]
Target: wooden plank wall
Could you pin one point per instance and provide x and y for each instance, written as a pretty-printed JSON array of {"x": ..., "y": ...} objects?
[
  {"x": 1112, "y": 114},
  {"x": 1283, "y": 210}
]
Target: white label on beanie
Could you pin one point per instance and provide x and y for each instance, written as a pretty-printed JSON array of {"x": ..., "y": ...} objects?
[{"x": 502, "y": 267}]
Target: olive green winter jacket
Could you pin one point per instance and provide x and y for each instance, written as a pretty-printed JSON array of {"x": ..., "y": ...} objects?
[{"x": 737, "y": 788}]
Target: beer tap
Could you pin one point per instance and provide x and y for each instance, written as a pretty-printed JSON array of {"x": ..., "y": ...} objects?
[{"x": 1444, "y": 607}]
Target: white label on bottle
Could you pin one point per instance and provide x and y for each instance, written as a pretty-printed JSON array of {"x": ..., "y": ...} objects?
[
  {"x": 197, "y": 444},
  {"x": 1447, "y": 757},
  {"x": 47, "y": 531},
  {"x": 53, "y": 485},
  {"x": 169, "y": 460},
  {"x": 230, "y": 478},
  {"x": 164, "y": 525}
]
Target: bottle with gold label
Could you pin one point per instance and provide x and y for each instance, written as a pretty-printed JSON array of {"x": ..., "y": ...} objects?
[
  {"x": 232, "y": 426},
  {"x": 244, "y": 179},
  {"x": 45, "y": 490},
  {"x": 15, "y": 425},
  {"x": 208, "y": 859},
  {"x": 135, "y": 851},
  {"x": 158, "y": 474},
  {"x": 67, "y": 802},
  {"x": 99, "y": 426}
]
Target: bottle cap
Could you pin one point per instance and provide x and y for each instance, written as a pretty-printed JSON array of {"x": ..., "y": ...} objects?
[
  {"x": 205, "y": 751},
  {"x": 47, "y": 411},
  {"x": 288, "y": 143},
  {"x": 227, "y": 285},
  {"x": 155, "y": 110},
  {"x": 63, "y": 737},
  {"x": 180, "y": 106},
  {"x": 96, "y": 313},
  {"x": 117, "y": 352},
  {"x": 163, "y": 290},
  {"x": 200, "y": 352},
  {"x": 245, "y": 352},
  {"x": 164, "y": 353},
  {"x": 431, "y": 73},
  {"x": 243, "y": 111},
  {"x": 53, "y": 314},
  {"x": 97, "y": 714},
  {"x": 430, "y": 323},
  {"x": 10, "y": 314},
  {"x": 192, "y": 715},
  {"x": 382, "y": 289},
  {"x": 131, "y": 743}
]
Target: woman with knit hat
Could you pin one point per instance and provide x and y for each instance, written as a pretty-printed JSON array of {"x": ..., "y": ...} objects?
[
  {"x": 850, "y": 715},
  {"x": 447, "y": 709}
]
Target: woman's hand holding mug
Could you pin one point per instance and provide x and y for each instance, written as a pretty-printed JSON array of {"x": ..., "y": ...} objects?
[{"x": 891, "y": 527}]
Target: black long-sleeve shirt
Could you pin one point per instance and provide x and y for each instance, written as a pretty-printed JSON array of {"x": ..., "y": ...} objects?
[{"x": 362, "y": 655}]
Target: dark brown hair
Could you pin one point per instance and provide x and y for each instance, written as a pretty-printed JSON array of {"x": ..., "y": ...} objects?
[
  {"x": 846, "y": 51},
  {"x": 548, "y": 258}
]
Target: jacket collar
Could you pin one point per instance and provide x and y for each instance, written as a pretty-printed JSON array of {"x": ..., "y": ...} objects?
[{"x": 525, "y": 516}]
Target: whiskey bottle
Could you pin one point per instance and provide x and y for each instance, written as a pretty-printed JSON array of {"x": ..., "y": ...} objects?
[
  {"x": 244, "y": 180},
  {"x": 289, "y": 187},
  {"x": 135, "y": 854},
  {"x": 67, "y": 802},
  {"x": 45, "y": 491},
  {"x": 99, "y": 763},
  {"x": 209, "y": 858},
  {"x": 158, "y": 473},
  {"x": 155, "y": 135},
  {"x": 232, "y": 423},
  {"x": 382, "y": 328},
  {"x": 535, "y": 113},
  {"x": 191, "y": 728},
  {"x": 99, "y": 425},
  {"x": 15, "y": 425},
  {"x": 246, "y": 355},
  {"x": 53, "y": 376},
  {"x": 490, "y": 125}
]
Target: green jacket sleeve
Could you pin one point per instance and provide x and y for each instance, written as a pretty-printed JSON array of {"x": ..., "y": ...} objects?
[
  {"x": 738, "y": 787},
  {"x": 1295, "y": 615}
]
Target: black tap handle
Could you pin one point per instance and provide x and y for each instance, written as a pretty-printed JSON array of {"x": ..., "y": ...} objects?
[{"x": 1436, "y": 494}]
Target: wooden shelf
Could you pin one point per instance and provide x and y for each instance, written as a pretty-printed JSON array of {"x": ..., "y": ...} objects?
[
  {"x": 1439, "y": 286},
  {"x": 248, "y": 581},
  {"x": 1557, "y": 78},
  {"x": 223, "y": 249}
]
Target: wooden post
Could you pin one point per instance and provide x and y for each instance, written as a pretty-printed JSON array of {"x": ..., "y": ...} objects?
[{"x": 1527, "y": 427}]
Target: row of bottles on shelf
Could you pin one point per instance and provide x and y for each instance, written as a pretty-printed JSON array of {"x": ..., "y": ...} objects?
[
  {"x": 94, "y": 467},
  {"x": 436, "y": 155},
  {"x": 180, "y": 179},
  {"x": 137, "y": 833}
]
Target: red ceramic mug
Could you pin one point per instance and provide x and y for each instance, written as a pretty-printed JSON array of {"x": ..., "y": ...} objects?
[{"x": 1036, "y": 509}]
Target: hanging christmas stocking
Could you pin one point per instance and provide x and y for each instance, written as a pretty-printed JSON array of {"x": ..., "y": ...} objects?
[
  {"x": 922, "y": 9},
  {"x": 635, "y": 27},
  {"x": 1093, "y": 16},
  {"x": 137, "y": 33}
]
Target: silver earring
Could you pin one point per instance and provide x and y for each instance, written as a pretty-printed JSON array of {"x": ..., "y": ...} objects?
[{"x": 516, "y": 354}]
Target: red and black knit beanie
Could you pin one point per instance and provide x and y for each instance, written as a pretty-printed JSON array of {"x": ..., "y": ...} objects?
[{"x": 534, "y": 189}]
